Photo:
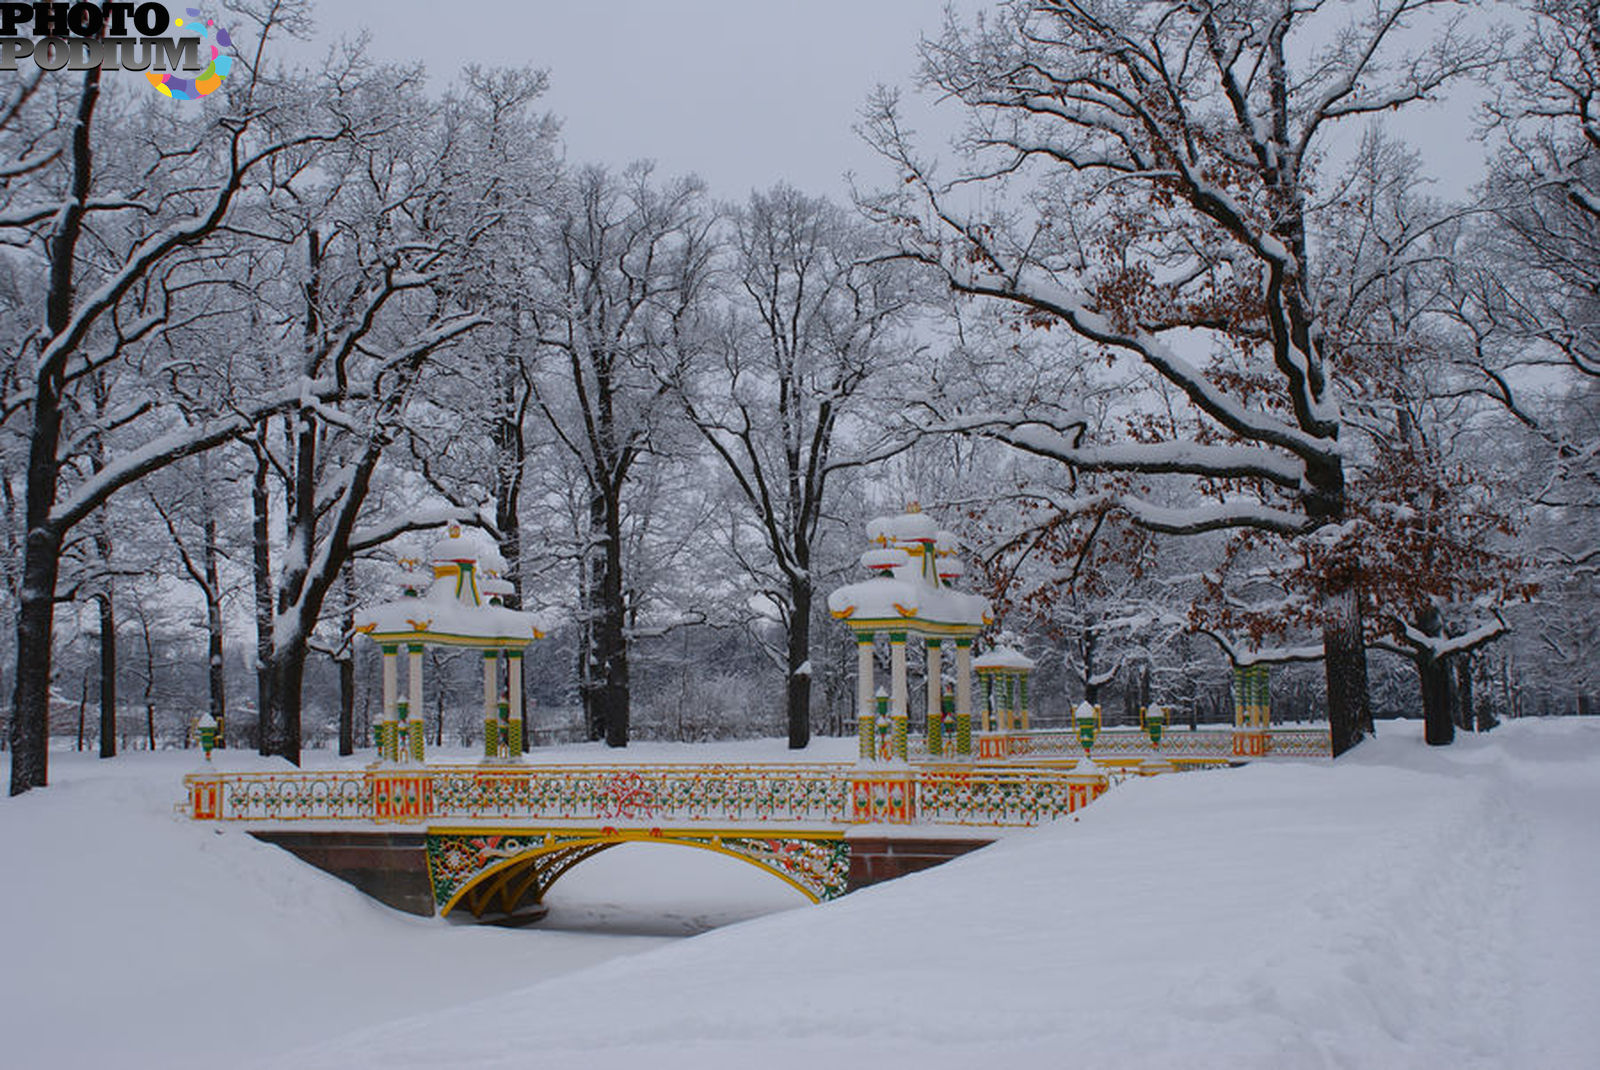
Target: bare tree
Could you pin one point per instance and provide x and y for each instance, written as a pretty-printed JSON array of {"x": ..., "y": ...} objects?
[
  {"x": 152, "y": 205},
  {"x": 624, "y": 265},
  {"x": 784, "y": 403},
  {"x": 1161, "y": 155}
]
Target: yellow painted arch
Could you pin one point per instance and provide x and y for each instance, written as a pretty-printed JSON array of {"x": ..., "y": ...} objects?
[{"x": 612, "y": 838}]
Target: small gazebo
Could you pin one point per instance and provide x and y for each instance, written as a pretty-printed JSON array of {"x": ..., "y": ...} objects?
[
  {"x": 462, "y": 606},
  {"x": 1004, "y": 672},
  {"x": 912, "y": 593}
]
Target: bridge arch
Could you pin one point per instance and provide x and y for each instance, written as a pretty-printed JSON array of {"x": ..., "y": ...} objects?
[{"x": 507, "y": 871}]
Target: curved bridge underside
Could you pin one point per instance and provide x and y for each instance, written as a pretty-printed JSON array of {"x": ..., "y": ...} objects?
[{"x": 508, "y": 871}]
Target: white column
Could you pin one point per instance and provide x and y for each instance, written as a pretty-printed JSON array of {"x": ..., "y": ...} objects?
[
  {"x": 934, "y": 649},
  {"x": 897, "y": 674}
]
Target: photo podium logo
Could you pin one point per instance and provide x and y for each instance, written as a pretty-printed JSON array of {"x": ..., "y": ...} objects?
[
  {"x": 212, "y": 38},
  {"x": 184, "y": 57}
]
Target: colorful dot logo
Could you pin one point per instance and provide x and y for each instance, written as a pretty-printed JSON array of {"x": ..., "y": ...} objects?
[{"x": 206, "y": 82}]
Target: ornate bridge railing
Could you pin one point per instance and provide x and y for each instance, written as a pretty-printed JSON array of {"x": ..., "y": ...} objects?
[
  {"x": 803, "y": 794},
  {"x": 1002, "y": 796},
  {"x": 791, "y": 792},
  {"x": 1177, "y": 744}
]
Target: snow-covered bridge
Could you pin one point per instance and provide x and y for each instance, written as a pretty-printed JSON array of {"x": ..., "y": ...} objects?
[{"x": 494, "y": 837}]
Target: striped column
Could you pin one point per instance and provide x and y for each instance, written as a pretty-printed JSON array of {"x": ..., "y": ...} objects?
[
  {"x": 514, "y": 699},
  {"x": 413, "y": 729},
  {"x": 491, "y": 720},
  {"x": 391, "y": 684},
  {"x": 866, "y": 708},
  {"x": 899, "y": 694},
  {"x": 964, "y": 698}
]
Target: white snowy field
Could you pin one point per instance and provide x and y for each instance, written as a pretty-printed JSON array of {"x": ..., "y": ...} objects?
[{"x": 1404, "y": 906}]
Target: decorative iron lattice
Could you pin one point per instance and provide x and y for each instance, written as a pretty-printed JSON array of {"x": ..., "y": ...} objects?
[
  {"x": 1002, "y": 797},
  {"x": 1204, "y": 743},
  {"x": 799, "y": 793},
  {"x": 1300, "y": 742},
  {"x": 790, "y": 793},
  {"x": 306, "y": 796},
  {"x": 510, "y": 869}
]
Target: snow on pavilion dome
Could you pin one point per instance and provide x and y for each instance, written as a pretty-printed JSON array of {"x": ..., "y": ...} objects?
[
  {"x": 912, "y": 590},
  {"x": 884, "y": 559},
  {"x": 1003, "y": 658},
  {"x": 459, "y": 544},
  {"x": 461, "y": 606},
  {"x": 911, "y": 526}
]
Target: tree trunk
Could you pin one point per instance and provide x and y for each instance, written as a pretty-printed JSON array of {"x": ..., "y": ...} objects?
[
  {"x": 83, "y": 709},
  {"x": 347, "y": 666},
  {"x": 798, "y": 682},
  {"x": 611, "y": 643},
  {"x": 1434, "y": 673},
  {"x": 347, "y": 705},
  {"x": 108, "y": 676},
  {"x": 41, "y": 559},
  {"x": 606, "y": 688},
  {"x": 216, "y": 677},
  {"x": 261, "y": 552},
  {"x": 1461, "y": 692},
  {"x": 149, "y": 683},
  {"x": 1485, "y": 719},
  {"x": 30, "y": 704},
  {"x": 1344, "y": 656},
  {"x": 288, "y": 673},
  {"x": 588, "y": 649},
  {"x": 1091, "y": 688}
]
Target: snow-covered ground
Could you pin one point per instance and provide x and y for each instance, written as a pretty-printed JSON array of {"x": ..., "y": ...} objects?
[{"x": 1403, "y": 907}]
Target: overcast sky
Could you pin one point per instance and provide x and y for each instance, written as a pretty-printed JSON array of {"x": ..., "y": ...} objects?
[
  {"x": 746, "y": 93},
  {"x": 743, "y": 92}
]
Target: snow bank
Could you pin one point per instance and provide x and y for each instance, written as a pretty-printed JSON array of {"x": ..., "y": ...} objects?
[
  {"x": 1405, "y": 906},
  {"x": 1369, "y": 913}
]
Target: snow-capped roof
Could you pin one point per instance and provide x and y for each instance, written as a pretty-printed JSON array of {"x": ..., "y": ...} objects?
[
  {"x": 910, "y": 526},
  {"x": 446, "y": 622},
  {"x": 913, "y": 590},
  {"x": 885, "y": 558},
  {"x": 1003, "y": 658},
  {"x": 460, "y": 544},
  {"x": 455, "y": 610}
]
